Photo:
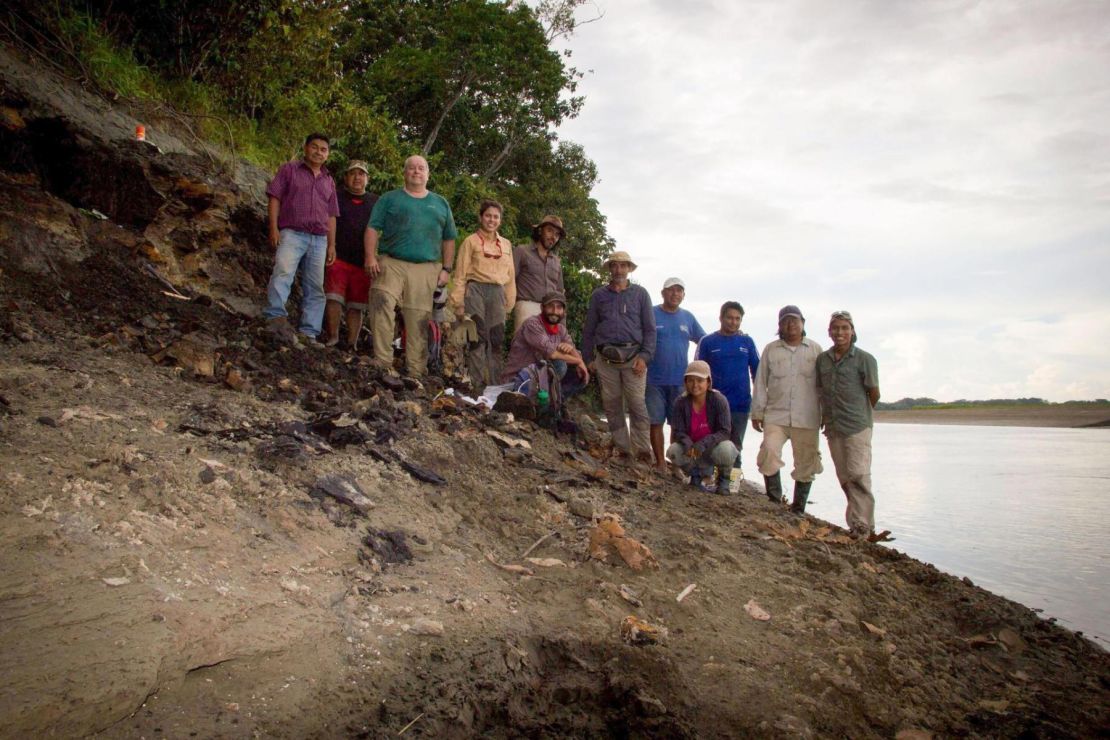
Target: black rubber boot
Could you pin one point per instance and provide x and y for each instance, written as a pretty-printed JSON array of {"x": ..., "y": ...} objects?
[
  {"x": 695, "y": 479},
  {"x": 773, "y": 484},
  {"x": 723, "y": 480},
  {"x": 801, "y": 495}
]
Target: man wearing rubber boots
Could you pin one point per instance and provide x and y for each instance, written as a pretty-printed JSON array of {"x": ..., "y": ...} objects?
[{"x": 785, "y": 407}]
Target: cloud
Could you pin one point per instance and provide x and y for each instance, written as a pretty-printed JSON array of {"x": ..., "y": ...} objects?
[{"x": 938, "y": 167}]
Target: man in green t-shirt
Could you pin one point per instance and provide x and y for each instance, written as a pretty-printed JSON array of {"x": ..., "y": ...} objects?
[
  {"x": 410, "y": 248},
  {"x": 848, "y": 381}
]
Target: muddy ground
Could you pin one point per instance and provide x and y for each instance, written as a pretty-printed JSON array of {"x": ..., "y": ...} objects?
[{"x": 172, "y": 566}]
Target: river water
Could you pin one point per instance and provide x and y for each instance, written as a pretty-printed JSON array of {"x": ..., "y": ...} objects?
[{"x": 1018, "y": 510}]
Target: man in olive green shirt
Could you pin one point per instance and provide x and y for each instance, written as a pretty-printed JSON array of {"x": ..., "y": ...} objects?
[{"x": 848, "y": 382}]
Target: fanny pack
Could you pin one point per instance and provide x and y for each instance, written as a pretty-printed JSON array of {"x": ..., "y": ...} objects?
[{"x": 618, "y": 354}]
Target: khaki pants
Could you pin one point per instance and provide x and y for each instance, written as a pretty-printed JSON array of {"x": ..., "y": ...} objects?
[
  {"x": 803, "y": 443},
  {"x": 522, "y": 311},
  {"x": 409, "y": 285},
  {"x": 622, "y": 388},
  {"x": 851, "y": 456}
]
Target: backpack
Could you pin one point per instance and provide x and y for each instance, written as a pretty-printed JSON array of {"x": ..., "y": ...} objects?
[{"x": 537, "y": 377}]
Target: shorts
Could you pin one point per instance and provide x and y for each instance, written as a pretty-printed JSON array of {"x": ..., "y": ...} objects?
[
  {"x": 660, "y": 402},
  {"x": 347, "y": 284}
]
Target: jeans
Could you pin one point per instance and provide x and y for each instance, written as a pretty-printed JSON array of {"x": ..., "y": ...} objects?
[
  {"x": 299, "y": 250},
  {"x": 660, "y": 402},
  {"x": 723, "y": 455},
  {"x": 739, "y": 426}
]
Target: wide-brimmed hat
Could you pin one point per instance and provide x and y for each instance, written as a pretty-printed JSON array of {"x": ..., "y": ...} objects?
[
  {"x": 554, "y": 296},
  {"x": 619, "y": 257},
  {"x": 357, "y": 164},
  {"x": 549, "y": 220},
  {"x": 699, "y": 369}
]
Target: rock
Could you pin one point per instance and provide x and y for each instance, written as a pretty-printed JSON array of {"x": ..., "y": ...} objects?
[
  {"x": 580, "y": 507},
  {"x": 120, "y": 581},
  {"x": 636, "y": 631},
  {"x": 236, "y": 380},
  {"x": 207, "y": 475},
  {"x": 429, "y": 627},
  {"x": 343, "y": 489},
  {"x": 517, "y": 404},
  {"x": 48, "y": 421}
]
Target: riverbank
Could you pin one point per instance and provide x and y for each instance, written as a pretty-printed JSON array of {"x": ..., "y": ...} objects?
[
  {"x": 1015, "y": 416},
  {"x": 178, "y": 560},
  {"x": 166, "y": 534}
]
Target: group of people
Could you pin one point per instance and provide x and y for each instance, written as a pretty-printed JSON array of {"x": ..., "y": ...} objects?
[{"x": 391, "y": 254}]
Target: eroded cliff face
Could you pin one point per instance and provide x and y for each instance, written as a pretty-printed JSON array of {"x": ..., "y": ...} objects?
[
  {"x": 70, "y": 161},
  {"x": 174, "y": 562}
]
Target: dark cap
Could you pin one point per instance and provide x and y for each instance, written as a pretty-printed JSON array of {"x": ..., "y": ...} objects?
[
  {"x": 554, "y": 296},
  {"x": 786, "y": 311}
]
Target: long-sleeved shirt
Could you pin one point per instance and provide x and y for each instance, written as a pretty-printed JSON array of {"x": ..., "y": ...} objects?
[
  {"x": 786, "y": 385},
  {"x": 619, "y": 317},
  {"x": 536, "y": 276},
  {"x": 483, "y": 260},
  {"x": 716, "y": 414},
  {"x": 306, "y": 200},
  {"x": 531, "y": 344},
  {"x": 844, "y": 386}
]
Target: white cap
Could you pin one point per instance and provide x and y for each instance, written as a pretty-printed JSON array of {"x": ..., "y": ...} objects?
[{"x": 671, "y": 282}]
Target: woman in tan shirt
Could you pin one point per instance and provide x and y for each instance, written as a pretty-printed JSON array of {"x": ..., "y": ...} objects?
[{"x": 485, "y": 289}]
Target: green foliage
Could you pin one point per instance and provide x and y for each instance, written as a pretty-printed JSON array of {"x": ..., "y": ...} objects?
[
  {"x": 475, "y": 85},
  {"x": 111, "y": 68}
]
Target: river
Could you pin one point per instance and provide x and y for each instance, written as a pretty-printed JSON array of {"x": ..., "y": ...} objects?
[{"x": 1018, "y": 510}]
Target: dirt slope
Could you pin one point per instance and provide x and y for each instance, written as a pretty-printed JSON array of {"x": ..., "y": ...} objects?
[{"x": 172, "y": 568}]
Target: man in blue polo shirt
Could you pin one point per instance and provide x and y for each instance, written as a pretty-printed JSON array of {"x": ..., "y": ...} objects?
[
  {"x": 675, "y": 329},
  {"x": 733, "y": 360}
]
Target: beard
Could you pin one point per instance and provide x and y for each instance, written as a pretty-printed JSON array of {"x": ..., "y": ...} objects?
[{"x": 552, "y": 319}]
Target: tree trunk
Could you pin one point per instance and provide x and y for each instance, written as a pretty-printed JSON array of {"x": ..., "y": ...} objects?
[{"x": 463, "y": 86}]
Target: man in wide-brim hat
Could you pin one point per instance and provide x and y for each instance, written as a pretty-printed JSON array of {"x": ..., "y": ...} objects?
[
  {"x": 618, "y": 341},
  {"x": 538, "y": 269}
]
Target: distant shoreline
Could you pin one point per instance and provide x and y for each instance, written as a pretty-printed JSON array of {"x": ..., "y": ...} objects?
[{"x": 1006, "y": 416}]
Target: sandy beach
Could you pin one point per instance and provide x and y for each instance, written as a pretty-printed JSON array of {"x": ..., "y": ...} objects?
[{"x": 1006, "y": 416}]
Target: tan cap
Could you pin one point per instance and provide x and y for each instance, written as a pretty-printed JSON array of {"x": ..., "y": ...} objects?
[
  {"x": 357, "y": 164},
  {"x": 699, "y": 369},
  {"x": 619, "y": 257}
]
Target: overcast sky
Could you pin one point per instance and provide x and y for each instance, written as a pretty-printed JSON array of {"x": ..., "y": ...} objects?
[{"x": 940, "y": 169}]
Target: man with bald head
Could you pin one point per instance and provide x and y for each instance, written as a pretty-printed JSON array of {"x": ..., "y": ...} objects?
[{"x": 410, "y": 250}]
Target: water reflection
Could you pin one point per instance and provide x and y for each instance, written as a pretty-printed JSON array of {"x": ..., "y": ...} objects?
[{"x": 1016, "y": 509}]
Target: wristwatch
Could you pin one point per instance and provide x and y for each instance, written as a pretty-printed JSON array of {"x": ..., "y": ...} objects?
[{"x": 446, "y": 269}]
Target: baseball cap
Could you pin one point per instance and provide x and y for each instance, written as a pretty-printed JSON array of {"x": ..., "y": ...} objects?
[{"x": 671, "y": 282}]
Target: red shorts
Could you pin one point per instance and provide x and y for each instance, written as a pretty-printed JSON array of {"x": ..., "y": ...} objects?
[{"x": 347, "y": 284}]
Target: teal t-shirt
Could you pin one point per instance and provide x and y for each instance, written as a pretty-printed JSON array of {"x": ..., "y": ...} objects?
[{"x": 413, "y": 229}]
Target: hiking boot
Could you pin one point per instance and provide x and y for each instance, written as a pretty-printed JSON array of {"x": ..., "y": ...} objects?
[
  {"x": 724, "y": 481},
  {"x": 695, "y": 480},
  {"x": 773, "y": 484},
  {"x": 801, "y": 495}
]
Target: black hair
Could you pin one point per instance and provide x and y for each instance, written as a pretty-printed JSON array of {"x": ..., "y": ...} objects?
[
  {"x": 729, "y": 306},
  {"x": 485, "y": 205},
  {"x": 314, "y": 136}
]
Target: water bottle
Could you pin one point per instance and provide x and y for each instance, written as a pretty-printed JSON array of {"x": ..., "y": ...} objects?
[{"x": 543, "y": 398}]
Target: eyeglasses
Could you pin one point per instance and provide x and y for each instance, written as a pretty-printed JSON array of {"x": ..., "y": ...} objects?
[{"x": 841, "y": 315}]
